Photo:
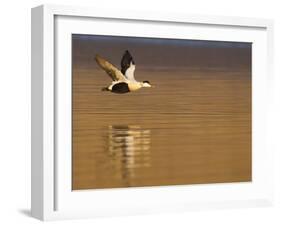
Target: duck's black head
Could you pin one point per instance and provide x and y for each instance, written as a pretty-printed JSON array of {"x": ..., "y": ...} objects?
[{"x": 146, "y": 83}]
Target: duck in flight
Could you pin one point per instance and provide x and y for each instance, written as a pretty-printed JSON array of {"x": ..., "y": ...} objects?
[{"x": 122, "y": 81}]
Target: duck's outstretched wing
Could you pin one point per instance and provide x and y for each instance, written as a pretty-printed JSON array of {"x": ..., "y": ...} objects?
[
  {"x": 128, "y": 66},
  {"x": 110, "y": 69}
]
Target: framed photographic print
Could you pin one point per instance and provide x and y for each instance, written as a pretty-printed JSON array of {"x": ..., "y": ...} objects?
[{"x": 138, "y": 112}]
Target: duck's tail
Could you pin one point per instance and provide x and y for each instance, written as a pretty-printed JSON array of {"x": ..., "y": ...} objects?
[{"x": 105, "y": 89}]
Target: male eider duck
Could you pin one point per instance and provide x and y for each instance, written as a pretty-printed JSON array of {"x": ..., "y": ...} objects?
[{"x": 122, "y": 81}]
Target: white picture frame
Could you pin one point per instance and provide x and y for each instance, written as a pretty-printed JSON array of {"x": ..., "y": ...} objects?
[{"x": 52, "y": 197}]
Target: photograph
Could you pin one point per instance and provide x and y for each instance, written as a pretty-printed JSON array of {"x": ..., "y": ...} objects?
[{"x": 152, "y": 111}]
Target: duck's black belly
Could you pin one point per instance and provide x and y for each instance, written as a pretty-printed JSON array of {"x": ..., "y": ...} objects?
[{"x": 121, "y": 87}]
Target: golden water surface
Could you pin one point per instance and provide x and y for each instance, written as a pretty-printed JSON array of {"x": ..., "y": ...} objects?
[{"x": 193, "y": 127}]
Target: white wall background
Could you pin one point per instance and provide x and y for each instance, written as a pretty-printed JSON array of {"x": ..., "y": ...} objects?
[{"x": 15, "y": 112}]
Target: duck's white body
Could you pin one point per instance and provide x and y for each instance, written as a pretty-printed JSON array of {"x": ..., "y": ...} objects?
[{"x": 133, "y": 86}]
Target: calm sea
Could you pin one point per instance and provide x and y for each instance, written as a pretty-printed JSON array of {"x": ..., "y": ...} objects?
[{"x": 193, "y": 127}]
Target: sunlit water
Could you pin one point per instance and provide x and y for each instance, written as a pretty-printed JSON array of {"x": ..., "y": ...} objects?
[{"x": 193, "y": 127}]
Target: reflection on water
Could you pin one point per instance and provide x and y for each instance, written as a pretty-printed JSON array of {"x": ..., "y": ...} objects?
[{"x": 129, "y": 149}]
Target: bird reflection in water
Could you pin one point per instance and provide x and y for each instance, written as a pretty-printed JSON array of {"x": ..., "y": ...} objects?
[{"x": 129, "y": 151}]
